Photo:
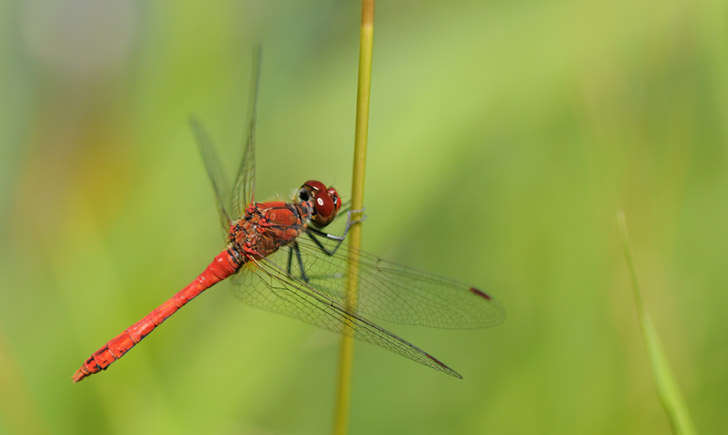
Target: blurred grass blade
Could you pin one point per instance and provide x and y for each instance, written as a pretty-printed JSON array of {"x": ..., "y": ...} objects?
[{"x": 667, "y": 388}]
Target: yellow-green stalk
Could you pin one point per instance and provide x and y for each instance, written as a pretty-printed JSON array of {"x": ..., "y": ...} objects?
[{"x": 366, "y": 38}]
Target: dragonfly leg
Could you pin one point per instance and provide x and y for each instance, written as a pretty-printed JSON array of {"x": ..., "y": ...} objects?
[
  {"x": 350, "y": 223},
  {"x": 300, "y": 262},
  {"x": 289, "y": 269},
  {"x": 313, "y": 232}
]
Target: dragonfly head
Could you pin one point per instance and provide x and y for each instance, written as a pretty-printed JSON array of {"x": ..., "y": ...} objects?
[{"x": 325, "y": 200}]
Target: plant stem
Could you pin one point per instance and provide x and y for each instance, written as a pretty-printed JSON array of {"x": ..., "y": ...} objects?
[
  {"x": 667, "y": 388},
  {"x": 366, "y": 37}
]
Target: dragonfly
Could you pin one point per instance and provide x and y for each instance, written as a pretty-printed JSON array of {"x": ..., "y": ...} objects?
[{"x": 281, "y": 258}]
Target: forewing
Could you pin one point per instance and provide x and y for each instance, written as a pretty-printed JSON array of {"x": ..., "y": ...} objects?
[
  {"x": 244, "y": 188},
  {"x": 269, "y": 286},
  {"x": 392, "y": 292},
  {"x": 215, "y": 173}
]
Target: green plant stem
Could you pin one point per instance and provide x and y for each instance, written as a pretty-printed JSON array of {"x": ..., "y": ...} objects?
[
  {"x": 667, "y": 388},
  {"x": 366, "y": 38}
]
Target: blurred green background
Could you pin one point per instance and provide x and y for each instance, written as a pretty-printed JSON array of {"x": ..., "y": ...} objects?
[{"x": 504, "y": 137}]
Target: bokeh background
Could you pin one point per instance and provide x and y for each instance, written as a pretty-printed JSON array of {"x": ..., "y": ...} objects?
[{"x": 504, "y": 137}]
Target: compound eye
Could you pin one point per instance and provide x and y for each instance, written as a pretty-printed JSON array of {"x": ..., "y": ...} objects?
[
  {"x": 324, "y": 207},
  {"x": 334, "y": 195}
]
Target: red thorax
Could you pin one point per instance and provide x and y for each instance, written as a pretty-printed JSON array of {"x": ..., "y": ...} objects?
[{"x": 267, "y": 226}]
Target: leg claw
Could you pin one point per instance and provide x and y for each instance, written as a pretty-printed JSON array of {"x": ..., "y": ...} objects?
[{"x": 350, "y": 222}]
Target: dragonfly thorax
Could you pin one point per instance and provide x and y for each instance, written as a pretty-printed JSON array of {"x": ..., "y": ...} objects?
[{"x": 267, "y": 226}]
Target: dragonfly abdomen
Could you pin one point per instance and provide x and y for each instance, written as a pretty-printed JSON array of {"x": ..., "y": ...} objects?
[{"x": 222, "y": 266}]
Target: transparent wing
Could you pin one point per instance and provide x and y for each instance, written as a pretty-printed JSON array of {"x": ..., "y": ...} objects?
[
  {"x": 392, "y": 292},
  {"x": 265, "y": 284},
  {"x": 215, "y": 172},
  {"x": 244, "y": 189}
]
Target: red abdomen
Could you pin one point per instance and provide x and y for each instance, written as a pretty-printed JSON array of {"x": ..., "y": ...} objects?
[{"x": 222, "y": 266}]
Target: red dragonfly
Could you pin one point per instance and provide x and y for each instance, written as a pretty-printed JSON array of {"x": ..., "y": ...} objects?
[{"x": 281, "y": 259}]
